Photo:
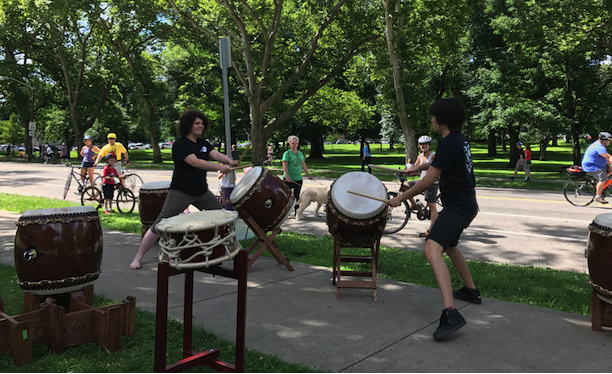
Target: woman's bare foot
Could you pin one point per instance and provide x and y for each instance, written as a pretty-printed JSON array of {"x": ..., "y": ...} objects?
[{"x": 135, "y": 264}]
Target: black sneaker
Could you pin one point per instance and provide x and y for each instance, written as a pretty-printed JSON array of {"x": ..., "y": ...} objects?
[
  {"x": 450, "y": 321},
  {"x": 468, "y": 294},
  {"x": 511, "y": 178}
]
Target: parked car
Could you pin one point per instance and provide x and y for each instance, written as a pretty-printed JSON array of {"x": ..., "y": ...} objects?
[
  {"x": 139, "y": 146},
  {"x": 342, "y": 141},
  {"x": 165, "y": 145}
]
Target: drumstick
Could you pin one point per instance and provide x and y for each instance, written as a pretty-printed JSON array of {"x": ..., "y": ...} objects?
[
  {"x": 368, "y": 196},
  {"x": 383, "y": 168},
  {"x": 244, "y": 153},
  {"x": 240, "y": 167}
]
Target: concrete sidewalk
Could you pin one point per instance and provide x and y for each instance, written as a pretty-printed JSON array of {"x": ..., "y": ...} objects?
[{"x": 295, "y": 316}]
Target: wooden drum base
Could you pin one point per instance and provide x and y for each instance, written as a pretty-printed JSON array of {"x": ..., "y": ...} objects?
[
  {"x": 372, "y": 259},
  {"x": 191, "y": 358},
  {"x": 601, "y": 313}
]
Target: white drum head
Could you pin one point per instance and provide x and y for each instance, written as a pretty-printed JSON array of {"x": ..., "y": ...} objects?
[
  {"x": 355, "y": 206},
  {"x": 197, "y": 221},
  {"x": 60, "y": 211},
  {"x": 604, "y": 221},
  {"x": 164, "y": 185},
  {"x": 245, "y": 184}
]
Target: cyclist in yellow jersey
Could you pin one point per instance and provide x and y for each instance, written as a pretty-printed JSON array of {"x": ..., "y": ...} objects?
[{"x": 117, "y": 148}]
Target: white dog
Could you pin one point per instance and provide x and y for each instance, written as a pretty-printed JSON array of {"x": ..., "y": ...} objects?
[{"x": 311, "y": 195}]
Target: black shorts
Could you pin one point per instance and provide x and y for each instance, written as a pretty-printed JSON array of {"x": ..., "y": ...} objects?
[
  {"x": 449, "y": 225},
  {"x": 109, "y": 190}
]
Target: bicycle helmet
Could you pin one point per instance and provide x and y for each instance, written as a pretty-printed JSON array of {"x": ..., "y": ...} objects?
[
  {"x": 111, "y": 135},
  {"x": 111, "y": 155},
  {"x": 605, "y": 136},
  {"x": 424, "y": 139},
  {"x": 87, "y": 137}
]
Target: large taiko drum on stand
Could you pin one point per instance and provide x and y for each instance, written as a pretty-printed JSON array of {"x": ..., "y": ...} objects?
[
  {"x": 151, "y": 199},
  {"x": 264, "y": 196},
  {"x": 599, "y": 256},
  {"x": 199, "y": 239},
  {"x": 58, "y": 250},
  {"x": 358, "y": 218}
]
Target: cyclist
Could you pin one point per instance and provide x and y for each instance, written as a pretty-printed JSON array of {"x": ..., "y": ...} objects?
[
  {"x": 597, "y": 161},
  {"x": 117, "y": 148},
  {"x": 422, "y": 164},
  {"x": 88, "y": 152}
]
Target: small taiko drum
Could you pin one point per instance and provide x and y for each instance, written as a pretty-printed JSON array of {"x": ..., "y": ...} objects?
[
  {"x": 599, "y": 256},
  {"x": 151, "y": 199},
  {"x": 264, "y": 196},
  {"x": 199, "y": 239},
  {"x": 58, "y": 250},
  {"x": 357, "y": 218}
]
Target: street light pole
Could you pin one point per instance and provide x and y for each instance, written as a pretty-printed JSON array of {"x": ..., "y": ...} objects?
[{"x": 28, "y": 137}]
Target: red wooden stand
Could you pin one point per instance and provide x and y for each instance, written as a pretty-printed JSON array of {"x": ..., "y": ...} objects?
[
  {"x": 339, "y": 258},
  {"x": 192, "y": 358},
  {"x": 267, "y": 242}
]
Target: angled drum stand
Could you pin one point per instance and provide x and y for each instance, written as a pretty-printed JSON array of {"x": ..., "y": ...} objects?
[
  {"x": 339, "y": 258},
  {"x": 192, "y": 358},
  {"x": 267, "y": 242}
]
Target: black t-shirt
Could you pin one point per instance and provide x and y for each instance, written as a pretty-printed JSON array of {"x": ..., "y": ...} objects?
[
  {"x": 457, "y": 182},
  {"x": 521, "y": 152},
  {"x": 185, "y": 177}
]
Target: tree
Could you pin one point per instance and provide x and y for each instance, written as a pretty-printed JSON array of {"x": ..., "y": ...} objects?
[
  {"x": 281, "y": 48},
  {"x": 11, "y": 130}
]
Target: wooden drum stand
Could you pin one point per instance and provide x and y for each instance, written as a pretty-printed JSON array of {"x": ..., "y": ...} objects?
[
  {"x": 192, "y": 358},
  {"x": 267, "y": 242},
  {"x": 339, "y": 258}
]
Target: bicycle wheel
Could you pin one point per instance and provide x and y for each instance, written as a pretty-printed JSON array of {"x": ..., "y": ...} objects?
[
  {"x": 397, "y": 217},
  {"x": 125, "y": 200},
  {"x": 93, "y": 197},
  {"x": 133, "y": 182},
  {"x": 67, "y": 187},
  {"x": 579, "y": 191},
  {"x": 97, "y": 180}
]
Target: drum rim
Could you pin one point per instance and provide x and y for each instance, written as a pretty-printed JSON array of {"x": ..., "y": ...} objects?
[
  {"x": 59, "y": 284},
  {"x": 223, "y": 221},
  {"x": 383, "y": 205},
  {"x": 58, "y": 218},
  {"x": 252, "y": 190},
  {"x": 144, "y": 186},
  {"x": 350, "y": 220},
  {"x": 601, "y": 230}
]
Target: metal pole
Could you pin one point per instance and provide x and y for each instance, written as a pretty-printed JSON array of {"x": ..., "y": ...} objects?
[{"x": 226, "y": 61}]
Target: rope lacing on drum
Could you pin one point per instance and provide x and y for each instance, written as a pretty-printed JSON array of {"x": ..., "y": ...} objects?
[{"x": 171, "y": 251}]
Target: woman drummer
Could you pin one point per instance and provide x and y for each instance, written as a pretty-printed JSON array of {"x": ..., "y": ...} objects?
[
  {"x": 191, "y": 156},
  {"x": 293, "y": 163}
]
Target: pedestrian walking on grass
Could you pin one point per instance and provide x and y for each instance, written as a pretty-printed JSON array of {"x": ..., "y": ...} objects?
[{"x": 527, "y": 164}]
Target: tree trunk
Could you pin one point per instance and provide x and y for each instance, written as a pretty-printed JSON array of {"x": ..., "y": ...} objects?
[
  {"x": 396, "y": 68},
  {"x": 554, "y": 142},
  {"x": 513, "y": 152},
  {"x": 151, "y": 127},
  {"x": 543, "y": 145},
  {"x": 492, "y": 145},
  {"x": 315, "y": 145},
  {"x": 576, "y": 144}
]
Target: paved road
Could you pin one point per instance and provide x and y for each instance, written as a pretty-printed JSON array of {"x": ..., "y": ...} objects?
[{"x": 514, "y": 226}]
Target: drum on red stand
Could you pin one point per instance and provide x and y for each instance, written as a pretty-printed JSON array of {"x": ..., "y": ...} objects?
[
  {"x": 599, "y": 256},
  {"x": 358, "y": 218},
  {"x": 264, "y": 196},
  {"x": 151, "y": 199},
  {"x": 58, "y": 250},
  {"x": 199, "y": 239}
]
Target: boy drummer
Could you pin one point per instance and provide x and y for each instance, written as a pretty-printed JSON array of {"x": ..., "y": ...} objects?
[{"x": 453, "y": 165}]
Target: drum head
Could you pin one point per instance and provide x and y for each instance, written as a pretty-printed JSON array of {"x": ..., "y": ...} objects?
[
  {"x": 85, "y": 210},
  {"x": 164, "y": 185},
  {"x": 245, "y": 184},
  {"x": 603, "y": 221},
  {"x": 355, "y": 206},
  {"x": 197, "y": 221}
]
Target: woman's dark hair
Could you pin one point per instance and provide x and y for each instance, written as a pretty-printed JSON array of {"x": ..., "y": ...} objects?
[
  {"x": 187, "y": 119},
  {"x": 449, "y": 112}
]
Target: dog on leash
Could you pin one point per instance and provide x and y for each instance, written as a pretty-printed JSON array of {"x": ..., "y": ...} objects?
[{"x": 307, "y": 197}]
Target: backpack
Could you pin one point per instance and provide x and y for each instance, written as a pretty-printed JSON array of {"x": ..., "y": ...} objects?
[{"x": 575, "y": 171}]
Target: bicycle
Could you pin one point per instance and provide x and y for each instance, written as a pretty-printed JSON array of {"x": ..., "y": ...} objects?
[
  {"x": 77, "y": 178},
  {"x": 124, "y": 200},
  {"x": 580, "y": 189},
  {"x": 132, "y": 180},
  {"x": 398, "y": 217}
]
